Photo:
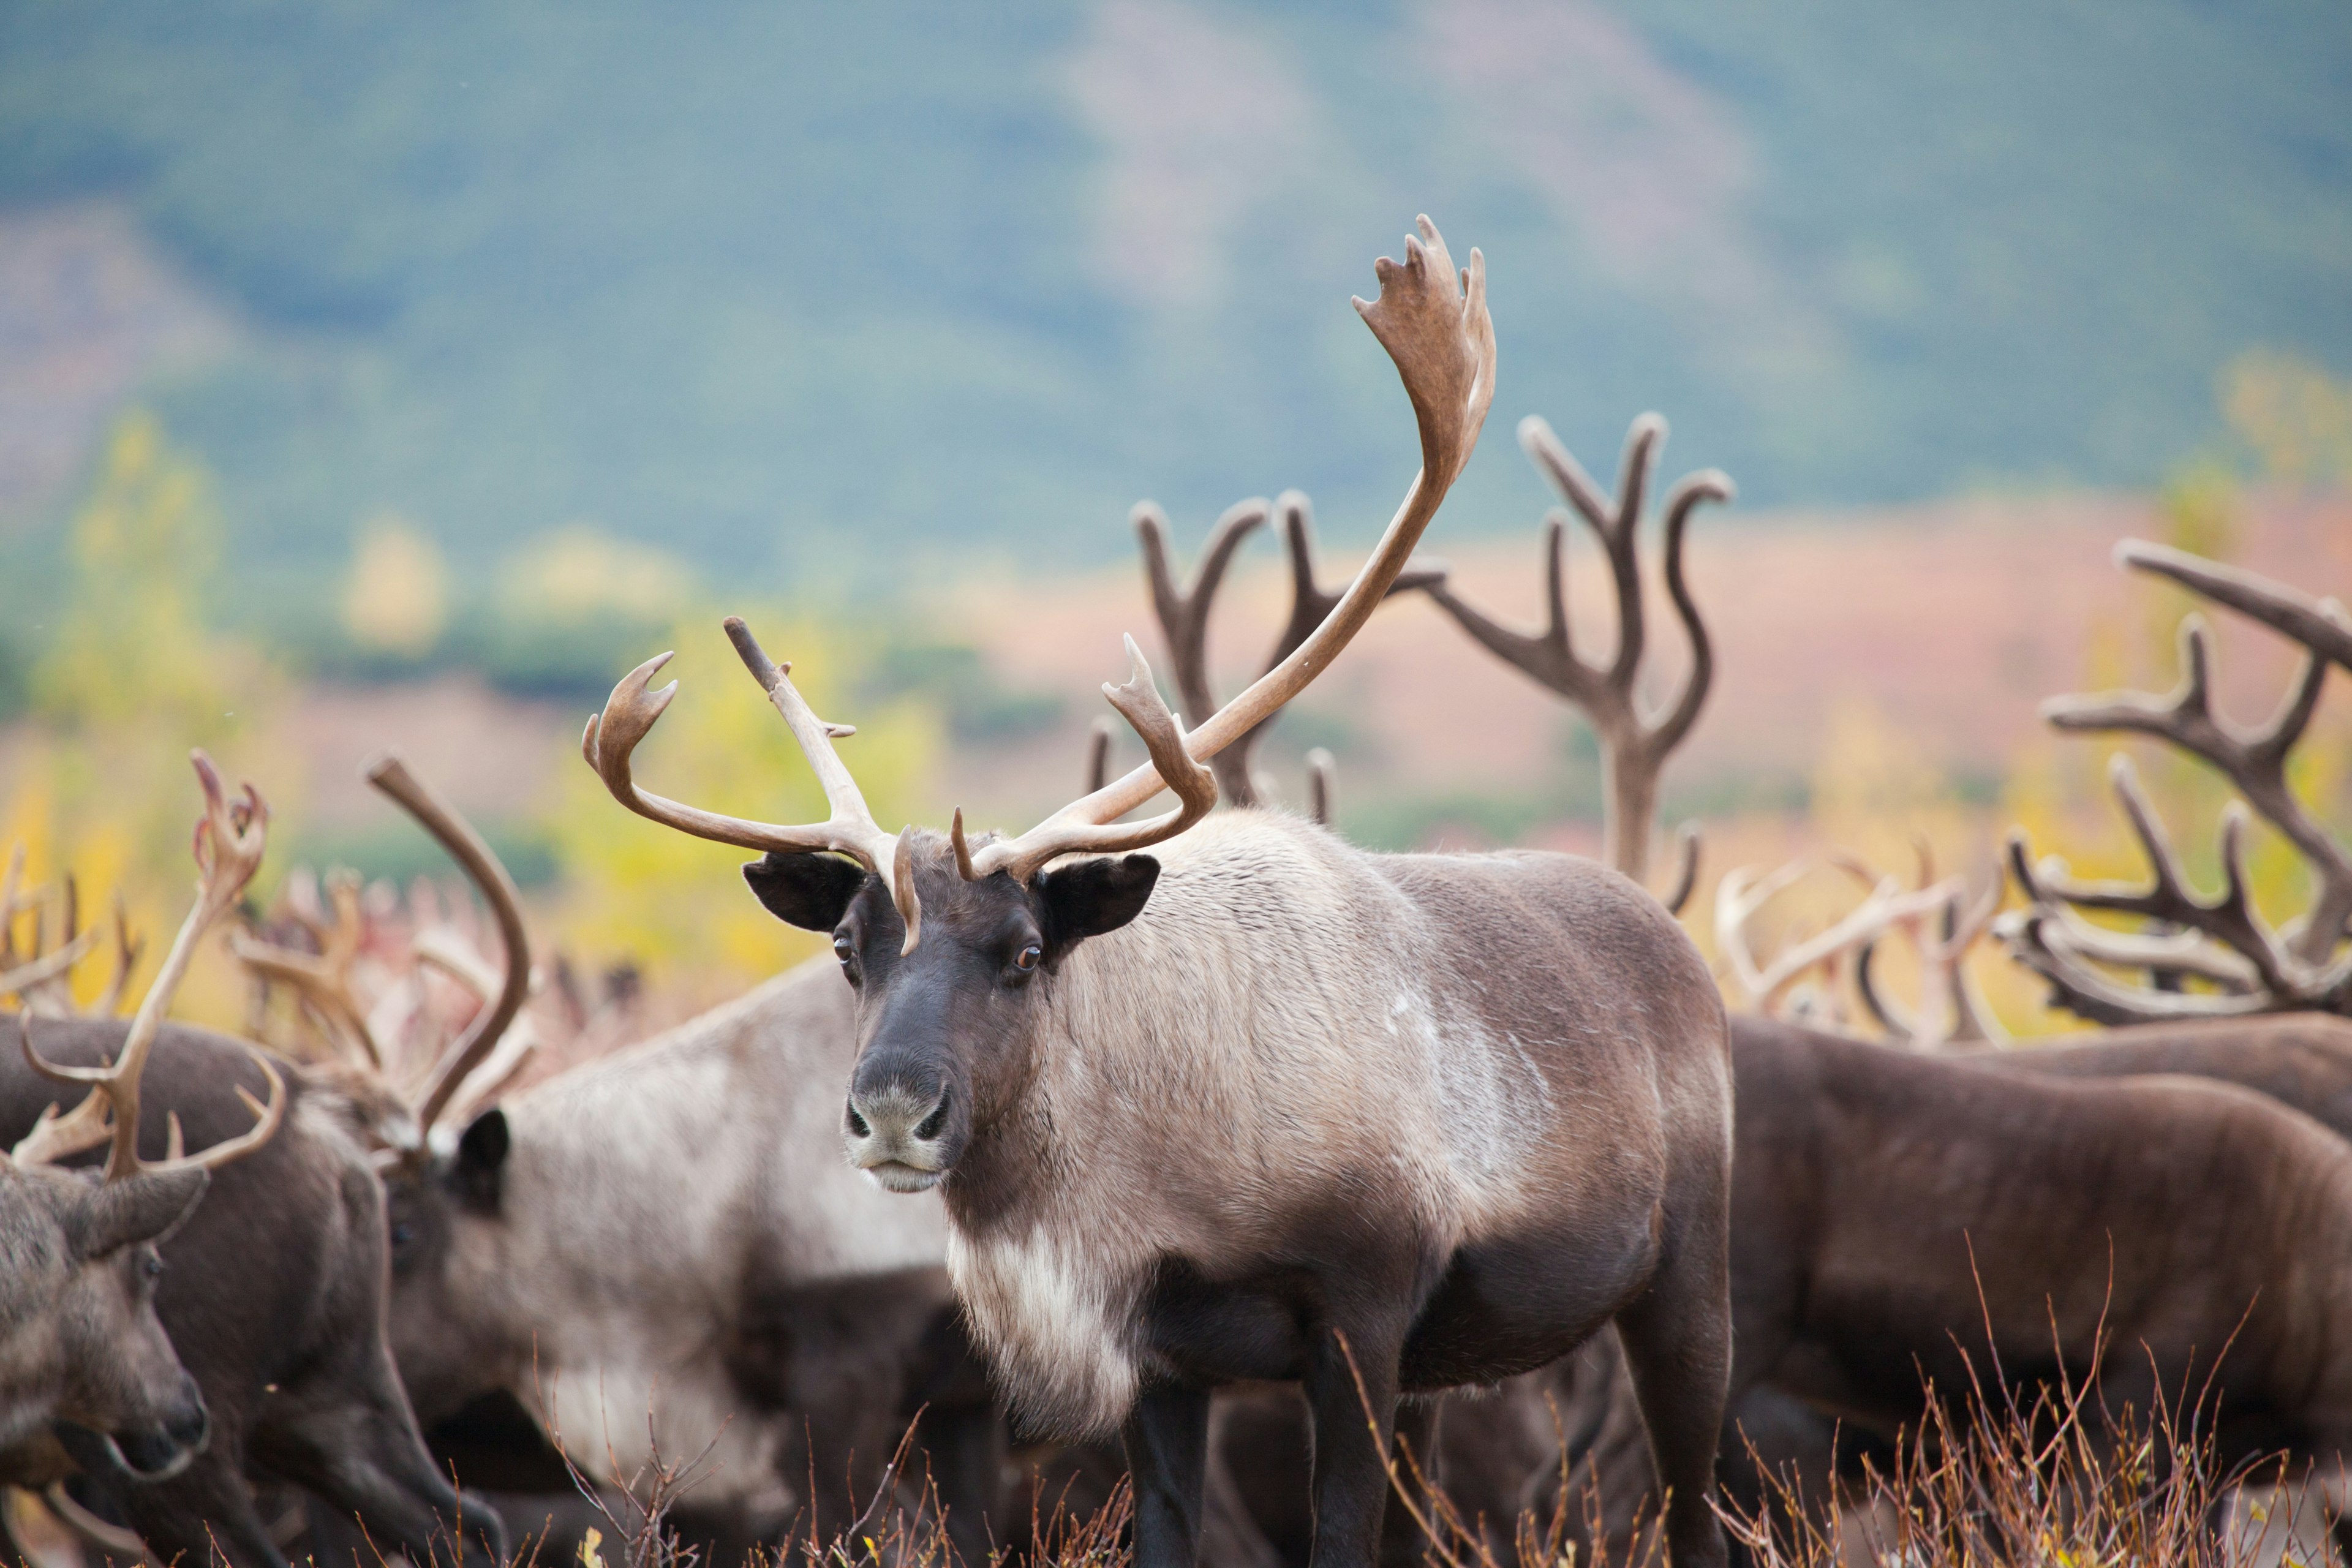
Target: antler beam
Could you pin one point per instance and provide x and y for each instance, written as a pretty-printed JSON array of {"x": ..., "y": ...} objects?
[{"x": 1635, "y": 744}]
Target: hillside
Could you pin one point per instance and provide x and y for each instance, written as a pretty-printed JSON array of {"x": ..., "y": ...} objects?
[
  {"x": 847, "y": 297},
  {"x": 1924, "y": 637}
]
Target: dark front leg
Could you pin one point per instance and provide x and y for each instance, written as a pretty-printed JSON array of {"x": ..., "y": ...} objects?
[
  {"x": 1354, "y": 1411},
  {"x": 1402, "y": 1543},
  {"x": 1167, "y": 1441}
]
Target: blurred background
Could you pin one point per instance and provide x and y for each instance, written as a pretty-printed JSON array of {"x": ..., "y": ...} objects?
[{"x": 388, "y": 373}]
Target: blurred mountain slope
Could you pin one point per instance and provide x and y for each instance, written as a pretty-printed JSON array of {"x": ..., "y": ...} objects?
[{"x": 851, "y": 297}]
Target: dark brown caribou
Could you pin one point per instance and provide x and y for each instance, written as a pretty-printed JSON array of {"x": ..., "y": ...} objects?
[
  {"x": 1256, "y": 1108},
  {"x": 274, "y": 1297},
  {"x": 86, "y": 1370}
]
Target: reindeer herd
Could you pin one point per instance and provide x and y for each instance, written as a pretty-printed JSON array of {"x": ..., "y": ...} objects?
[{"x": 1149, "y": 1122}]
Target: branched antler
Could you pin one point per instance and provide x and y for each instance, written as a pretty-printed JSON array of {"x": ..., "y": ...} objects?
[
  {"x": 1183, "y": 615},
  {"x": 229, "y": 840},
  {"x": 1743, "y": 893},
  {"x": 2223, "y": 941},
  {"x": 1950, "y": 1011},
  {"x": 1433, "y": 321},
  {"x": 1633, "y": 743},
  {"x": 322, "y": 980}
]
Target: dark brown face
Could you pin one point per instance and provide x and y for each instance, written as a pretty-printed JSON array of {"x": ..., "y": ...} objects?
[
  {"x": 942, "y": 1030},
  {"x": 126, "y": 1405},
  {"x": 444, "y": 1358}
]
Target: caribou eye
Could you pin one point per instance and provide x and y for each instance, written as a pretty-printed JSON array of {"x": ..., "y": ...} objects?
[
  {"x": 402, "y": 1234},
  {"x": 1028, "y": 958},
  {"x": 842, "y": 948},
  {"x": 152, "y": 1265}
]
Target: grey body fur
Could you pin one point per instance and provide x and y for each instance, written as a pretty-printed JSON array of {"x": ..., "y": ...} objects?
[{"x": 674, "y": 1230}]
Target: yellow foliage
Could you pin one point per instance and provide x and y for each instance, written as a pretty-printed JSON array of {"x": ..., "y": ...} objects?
[
  {"x": 577, "y": 572},
  {"x": 396, "y": 599},
  {"x": 100, "y": 785},
  {"x": 633, "y": 889}
]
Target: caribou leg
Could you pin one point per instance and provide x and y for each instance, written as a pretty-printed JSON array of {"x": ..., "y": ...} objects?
[
  {"x": 1167, "y": 1442},
  {"x": 1677, "y": 1339},
  {"x": 1351, "y": 1393},
  {"x": 1417, "y": 1422}
]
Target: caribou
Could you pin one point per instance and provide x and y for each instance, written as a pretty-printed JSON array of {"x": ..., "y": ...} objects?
[
  {"x": 85, "y": 1368},
  {"x": 89, "y": 1378},
  {"x": 648, "y": 1280},
  {"x": 1263, "y": 1105},
  {"x": 274, "y": 1294}
]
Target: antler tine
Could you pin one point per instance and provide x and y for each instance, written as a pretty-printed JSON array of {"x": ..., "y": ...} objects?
[
  {"x": 1069, "y": 831},
  {"x": 1435, "y": 325},
  {"x": 1678, "y": 891},
  {"x": 1320, "y": 767},
  {"x": 1636, "y": 744},
  {"x": 322, "y": 980},
  {"x": 1674, "y": 720},
  {"x": 2254, "y": 764},
  {"x": 1099, "y": 735},
  {"x": 41, "y": 971},
  {"x": 2050, "y": 939},
  {"x": 128, "y": 950},
  {"x": 631, "y": 712},
  {"x": 229, "y": 841},
  {"x": 1183, "y": 615},
  {"x": 1741, "y": 896},
  {"x": 266, "y": 1119},
  {"x": 2320, "y": 625},
  {"x": 389, "y": 773}
]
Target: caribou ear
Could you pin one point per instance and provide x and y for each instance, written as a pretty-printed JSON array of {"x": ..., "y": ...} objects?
[
  {"x": 811, "y": 892},
  {"x": 482, "y": 1150},
  {"x": 1091, "y": 897},
  {"x": 148, "y": 1205}
]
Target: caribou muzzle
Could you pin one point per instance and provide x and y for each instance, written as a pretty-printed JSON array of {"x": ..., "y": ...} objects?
[
  {"x": 147, "y": 1454},
  {"x": 900, "y": 1135}
]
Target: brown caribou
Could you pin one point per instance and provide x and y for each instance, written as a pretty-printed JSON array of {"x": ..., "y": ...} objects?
[
  {"x": 88, "y": 1377},
  {"x": 86, "y": 1369},
  {"x": 1258, "y": 1107}
]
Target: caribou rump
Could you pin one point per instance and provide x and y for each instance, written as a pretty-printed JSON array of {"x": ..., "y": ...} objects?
[{"x": 1261, "y": 1110}]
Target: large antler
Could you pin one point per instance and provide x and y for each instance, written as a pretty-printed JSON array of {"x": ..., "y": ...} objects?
[
  {"x": 2223, "y": 939},
  {"x": 389, "y": 772},
  {"x": 850, "y": 830},
  {"x": 1434, "y": 322},
  {"x": 1435, "y": 326},
  {"x": 1183, "y": 615},
  {"x": 1635, "y": 745},
  {"x": 229, "y": 841}
]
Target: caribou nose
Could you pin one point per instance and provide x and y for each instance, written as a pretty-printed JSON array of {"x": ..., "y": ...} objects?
[
  {"x": 190, "y": 1425},
  {"x": 893, "y": 1134}
]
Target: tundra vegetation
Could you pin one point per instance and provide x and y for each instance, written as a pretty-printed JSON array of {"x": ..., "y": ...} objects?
[{"x": 2038, "y": 1197}]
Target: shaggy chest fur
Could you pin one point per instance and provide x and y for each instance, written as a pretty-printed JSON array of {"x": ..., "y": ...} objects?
[{"x": 1304, "y": 1068}]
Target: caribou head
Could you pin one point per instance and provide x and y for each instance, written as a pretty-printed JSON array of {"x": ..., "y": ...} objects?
[{"x": 952, "y": 940}]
